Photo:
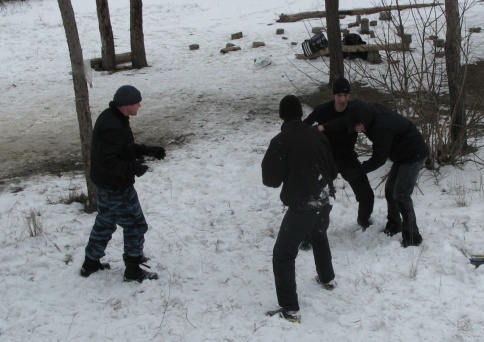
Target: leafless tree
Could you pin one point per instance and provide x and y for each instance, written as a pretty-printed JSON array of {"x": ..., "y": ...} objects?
[
  {"x": 81, "y": 94},
  {"x": 336, "y": 65},
  {"x": 138, "y": 53},
  {"x": 453, "y": 45},
  {"x": 107, "y": 41}
]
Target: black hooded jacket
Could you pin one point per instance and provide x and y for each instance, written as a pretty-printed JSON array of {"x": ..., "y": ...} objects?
[
  {"x": 393, "y": 136},
  {"x": 335, "y": 127},
  {"x": 299, "y": 157},
  {"x": 113, "y": 150}
]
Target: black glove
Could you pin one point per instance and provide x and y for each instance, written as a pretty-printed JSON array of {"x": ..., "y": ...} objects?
[
  {"x": 140, "y": 168},
  {"x": 158, "y": 152},
  {"x": 153, "y": 151}
]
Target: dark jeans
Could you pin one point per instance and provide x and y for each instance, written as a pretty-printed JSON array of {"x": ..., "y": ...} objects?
[
  {"x": 295, "y": 226},
  {"x": 398, "y": 193},
  {"x": 351, "y": 172},
  {"x": 117, "y": 207}
]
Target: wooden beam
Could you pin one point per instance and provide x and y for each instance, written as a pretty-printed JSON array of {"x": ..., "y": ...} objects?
[
  {"x": 121, "y": 58},
  {"x": 360, "y": 48},
  {"x": 290, "y": 18}
]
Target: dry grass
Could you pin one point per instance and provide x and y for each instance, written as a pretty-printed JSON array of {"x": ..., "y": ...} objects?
[{"x": 33, "y": 222}]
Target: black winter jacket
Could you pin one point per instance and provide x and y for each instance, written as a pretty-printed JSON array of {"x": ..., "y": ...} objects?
[
  {"x": 299, "y": 158},
  {"x": 113, "y": 151},
  {"x": 393, "y": 136},
  {"x": 336, "y": 129}
]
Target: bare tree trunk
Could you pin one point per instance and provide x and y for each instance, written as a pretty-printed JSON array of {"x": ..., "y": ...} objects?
[
  {"x": 107, "y": 41},
  {"x": 336, "y": 65},
  {"x": 458, "y": 132},
  {"x": 138, "y": 53},
  {"x": 81, "y": 95}
]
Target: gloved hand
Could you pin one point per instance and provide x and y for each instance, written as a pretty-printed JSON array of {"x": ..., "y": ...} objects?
[
  {"x": 140, "y": 168},
  {"x": 157, "y": 151},
  {"x": 153, "y": 151}
]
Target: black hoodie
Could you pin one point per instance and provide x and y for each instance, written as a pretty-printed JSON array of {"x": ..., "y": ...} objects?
[
  {"x": 393, "y": 136},
  {"x": 299, "y": 158}
]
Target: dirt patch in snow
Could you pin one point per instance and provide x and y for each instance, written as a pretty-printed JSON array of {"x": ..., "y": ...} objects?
[{"x": 55, "y": 149}]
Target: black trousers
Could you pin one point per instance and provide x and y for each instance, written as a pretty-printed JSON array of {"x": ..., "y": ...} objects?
[
  {"x": 351, "y": 172},
  {"x": 398, "y": 193},
  {"x": 295, "y": 226}
]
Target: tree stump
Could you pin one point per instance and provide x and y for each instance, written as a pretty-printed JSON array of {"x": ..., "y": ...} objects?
[
  {"x": 237, "y": 35},
  {"x": 374, "y": 57},
  {"x": 440, "y": 43},
  {"x": 385, "y": 16},
  {"x": 365, "y": 26}
]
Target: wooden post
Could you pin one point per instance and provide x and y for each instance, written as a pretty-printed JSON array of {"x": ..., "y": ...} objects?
[{"x": 365, "y": 26}]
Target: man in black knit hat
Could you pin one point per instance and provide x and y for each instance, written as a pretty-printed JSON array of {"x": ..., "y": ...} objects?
[
  {"x": 299, "y": 158},
  {"x": 115, "y": 161},
  {"x": 331, "y": 118}
]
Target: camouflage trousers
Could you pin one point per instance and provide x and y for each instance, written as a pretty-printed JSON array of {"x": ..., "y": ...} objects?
[{"x": 117, "y": 207}]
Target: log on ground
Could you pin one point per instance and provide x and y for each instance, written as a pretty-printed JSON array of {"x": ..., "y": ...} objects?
[
  {"x": 290, "y": 18},
  {"x": 121, "y": 58}
]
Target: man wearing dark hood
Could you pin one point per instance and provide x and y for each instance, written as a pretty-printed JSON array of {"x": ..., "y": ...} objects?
[
  {"x": 299, "y": 158},
  {"x": 396, "y": 138}
]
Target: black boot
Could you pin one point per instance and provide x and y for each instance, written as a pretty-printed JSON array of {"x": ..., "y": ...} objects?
[
  {"x": 392, "y": 228},
  {"x": 90, "y": 266},
  {"x": 411, "y": 239},
  {"x": 364, "y": 223},
  {"x": 134, "y": 272}
]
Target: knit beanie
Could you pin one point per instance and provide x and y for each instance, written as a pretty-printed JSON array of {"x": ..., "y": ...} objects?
[
  {"x": 341, "y": 85},
  {"x": 127, "y": 95},
  {"x": 290, "y": 107}
]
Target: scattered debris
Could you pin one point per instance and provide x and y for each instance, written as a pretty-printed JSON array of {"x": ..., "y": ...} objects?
[
  {"x": 261, "y": 62},
  {"x": 477, "y": 260},
  {"x": 230, "y": 47}
]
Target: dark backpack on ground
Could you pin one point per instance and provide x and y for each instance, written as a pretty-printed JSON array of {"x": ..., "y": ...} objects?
[
  {"x": 313, "y": 45},
  {"x": 354, "y": 39}
]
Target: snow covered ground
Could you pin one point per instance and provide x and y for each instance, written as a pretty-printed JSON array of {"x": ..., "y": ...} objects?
[{"x": 212, "y": 222}]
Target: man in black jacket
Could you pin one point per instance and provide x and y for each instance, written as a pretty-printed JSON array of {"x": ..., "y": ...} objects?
[
  {"x": 396, "y": 138},
  {"x": 299, "y": 158},
  {"x": 332, "y": 121},
  {"x": 115, "y": 161}
]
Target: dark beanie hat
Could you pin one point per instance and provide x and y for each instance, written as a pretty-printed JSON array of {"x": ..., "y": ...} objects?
[
  {"x": 341, "y": 85},
  {"x": 126, "y": 96},
  {"x": 290, "y": 107}
]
